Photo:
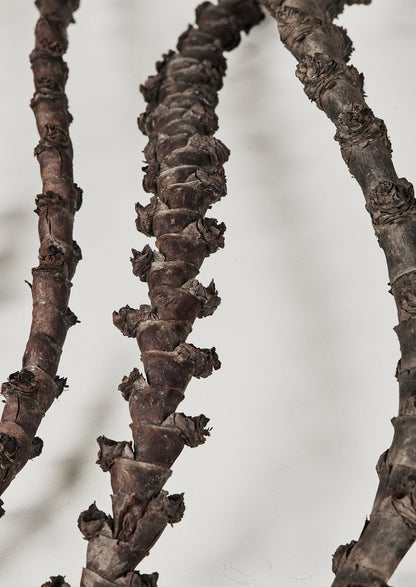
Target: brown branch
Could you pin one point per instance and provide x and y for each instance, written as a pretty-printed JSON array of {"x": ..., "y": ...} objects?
[
  {"x": 323, "y": 50},
  {"x": 57, "y": 581},
  {"x": 31, "y": 391},
  {"x": 186, "y": 176}
]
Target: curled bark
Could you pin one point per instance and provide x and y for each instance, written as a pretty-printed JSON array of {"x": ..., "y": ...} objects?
[
  {"x": 185, "y": 173},
  {"x": 322, "y": 50},
  {"x": 31, "y": 391}
]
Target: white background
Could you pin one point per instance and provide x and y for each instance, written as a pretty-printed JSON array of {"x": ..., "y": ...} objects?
[{"x": 301, "y": 407}]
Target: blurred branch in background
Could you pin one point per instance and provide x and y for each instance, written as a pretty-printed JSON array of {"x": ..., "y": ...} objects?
[{"x": 30, "y": 392}]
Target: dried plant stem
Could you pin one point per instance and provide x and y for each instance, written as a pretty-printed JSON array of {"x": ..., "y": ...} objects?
[
  {"x": 58, "y": 581},
  {"x": 186, "y": 176},
  {"x": 31, "y": 391},
  {"x": 323, "y": 50}
]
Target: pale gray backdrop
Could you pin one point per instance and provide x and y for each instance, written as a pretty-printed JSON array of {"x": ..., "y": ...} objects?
[{"x": 301, "y": 407}]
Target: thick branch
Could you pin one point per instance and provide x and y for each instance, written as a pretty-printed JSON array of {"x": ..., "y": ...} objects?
[
  {"x": 323, "y": 50},
  {"x": 31, "y": 391},
  {"x": 185, "y": 173}
]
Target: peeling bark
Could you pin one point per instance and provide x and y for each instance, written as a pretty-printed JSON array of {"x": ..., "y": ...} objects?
[
  {"x": 323, "y": 50},
  {"x": 185, "y": 173},
  {"x": 31, "y": 391}
]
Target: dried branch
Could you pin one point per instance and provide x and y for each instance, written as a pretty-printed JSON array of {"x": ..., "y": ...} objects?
[
  {"x": 31, "y": 391},
  {"x": 186, "y": 176},
  {"x": 323, "y": 51},
  {"x": 58, "y": 581}
]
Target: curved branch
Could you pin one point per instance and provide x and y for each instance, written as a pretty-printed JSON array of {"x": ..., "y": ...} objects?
[
  {"x": 31, "y": 391},
  {"x": 323, "y": 50},
  {"x": 185, "y": 173}
]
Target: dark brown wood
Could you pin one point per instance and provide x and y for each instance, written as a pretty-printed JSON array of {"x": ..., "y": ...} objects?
[
  {"x": 57, "y": 581},
  {"x": 323, "y": 50},
  {"x": 30, "y": 392},
  {"x": 185, "y": 173}
]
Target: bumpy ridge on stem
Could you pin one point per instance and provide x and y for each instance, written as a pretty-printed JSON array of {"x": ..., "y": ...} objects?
[
  {"x": 322, "y": 50},
  {"x": 31, "y": 391},
  {"x": 57, "y": 581},
  {"x": 185, "y": 173}
]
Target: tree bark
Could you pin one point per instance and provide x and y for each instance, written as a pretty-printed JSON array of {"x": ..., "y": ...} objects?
[
  {"x": 323, "y": 50},
  {"x": 31, "y": 391},
  {"x": 57, "y": 581},
  {"x": 185, "y": 174}
]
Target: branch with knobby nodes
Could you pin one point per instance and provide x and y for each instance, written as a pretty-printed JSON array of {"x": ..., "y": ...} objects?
[
  {"x": 31, "y": 391},
  {"x": 185, "y": 173},
  {"x": 323, "y": 50}
]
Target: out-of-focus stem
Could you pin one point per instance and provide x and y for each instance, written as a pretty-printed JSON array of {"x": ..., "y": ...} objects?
[{"x": 31, "y": 391}]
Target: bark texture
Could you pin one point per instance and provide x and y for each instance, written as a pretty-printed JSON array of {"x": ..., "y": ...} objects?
[
  {"x": 185, "y": 173},
  {"x": 58, "y": 581},
  {"x": 323, "y": 50},
  {"x": 31, "y": 391}
]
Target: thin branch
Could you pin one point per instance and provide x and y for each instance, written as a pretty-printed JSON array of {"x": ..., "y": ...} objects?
[
  {"x": 185, "y": 174},
  {"x": 323, "y": 51},
  {"x": 31, "y": 391}
]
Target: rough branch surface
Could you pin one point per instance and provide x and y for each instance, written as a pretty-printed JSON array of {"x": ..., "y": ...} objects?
[
  {"x": 323, "y": 50},
  {"x": 31, "y": 391},
  {"x": 185, "y": 173}
]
